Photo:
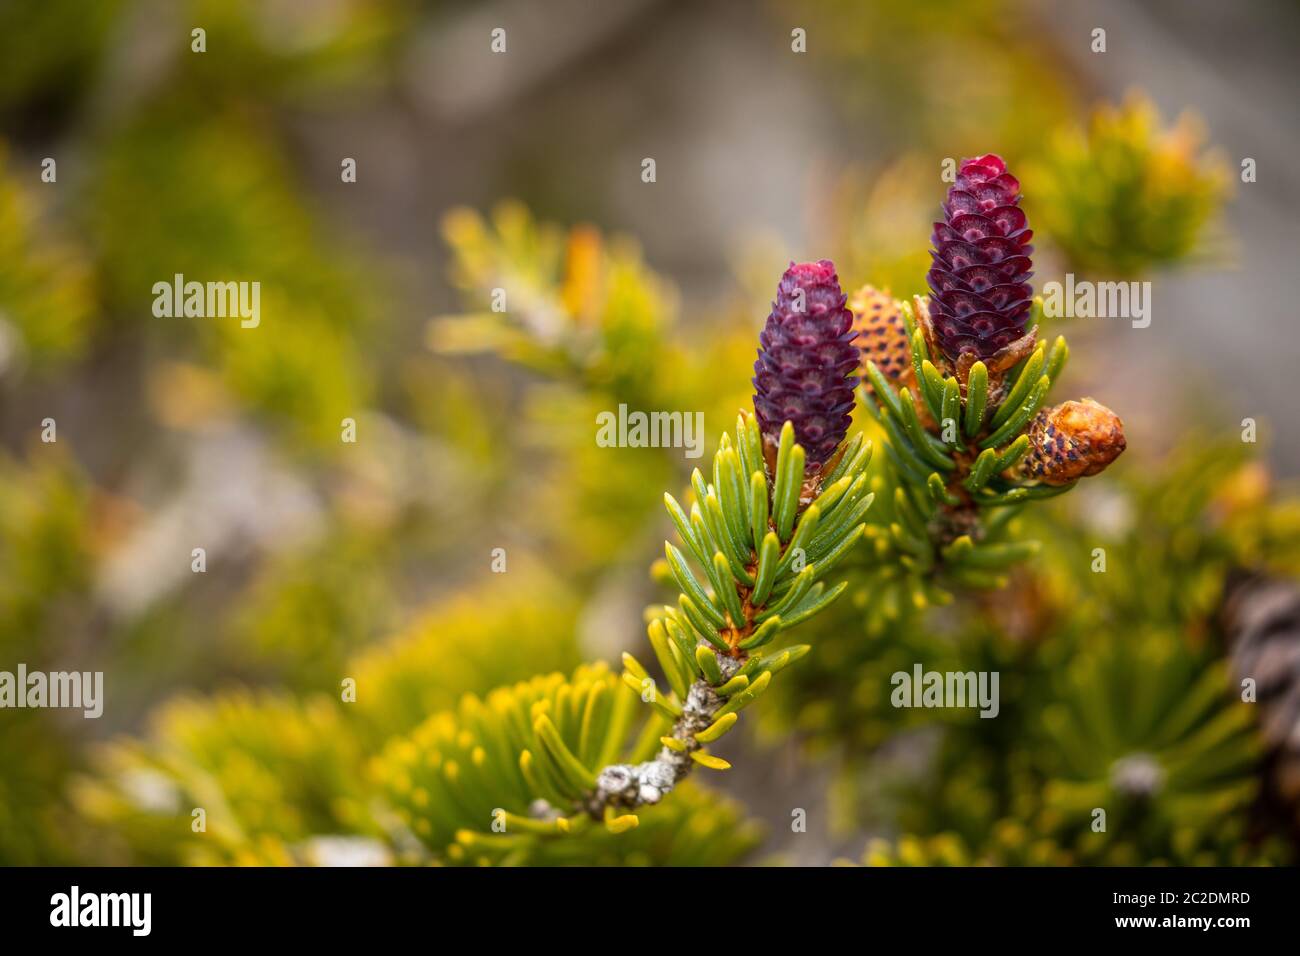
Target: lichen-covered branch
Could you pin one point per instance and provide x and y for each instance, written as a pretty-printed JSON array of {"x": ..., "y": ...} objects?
[{"x": 627, "y": 786}]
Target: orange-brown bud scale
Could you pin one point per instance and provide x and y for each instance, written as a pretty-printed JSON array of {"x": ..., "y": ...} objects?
[
  {"x": 882, "y": 336},
  {"x": 1072, "y": 440}
]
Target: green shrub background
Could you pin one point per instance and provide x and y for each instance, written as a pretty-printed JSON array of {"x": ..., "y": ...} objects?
[{"x": 372, "y": 562}]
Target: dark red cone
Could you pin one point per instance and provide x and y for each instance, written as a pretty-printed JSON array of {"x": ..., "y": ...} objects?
[
  {"x": 806, "y": 362},
  {"x": 980, "y": 275}
]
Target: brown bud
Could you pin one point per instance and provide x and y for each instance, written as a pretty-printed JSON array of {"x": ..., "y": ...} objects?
[
  {"x": 1072, "y": 440},
  {"x": 882, "y": 336}
]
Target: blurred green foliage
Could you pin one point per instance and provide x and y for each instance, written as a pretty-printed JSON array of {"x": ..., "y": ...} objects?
[
  {"x": 600, "y": 330},
  {"x": 508, "y": 629},
  {"x": 47, "y": 299},
  {"x": 1113, "y": 680},
  {"x": 185, "y": 164},
  {"x": 48, "y": 532},
  {"x": 150, "y": 223},
  {"x": 960, "y": 74},
  {"x": 49, "y": 52},
  {"x": 246, "y": 778},
  {"x": 1125, "y": 195}
]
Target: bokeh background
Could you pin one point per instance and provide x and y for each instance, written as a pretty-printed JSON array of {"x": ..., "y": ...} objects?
[{"x": 522, "y": 170}]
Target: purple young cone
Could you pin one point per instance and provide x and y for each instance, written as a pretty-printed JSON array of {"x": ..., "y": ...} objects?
[
  {"x": 980, "y": 275},
  {"x": 804, "y": 373}
]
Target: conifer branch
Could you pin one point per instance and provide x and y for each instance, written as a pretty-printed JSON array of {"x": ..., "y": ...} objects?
[
  {"x": 709, "y": 646},
  {"x": 774, "y": 521},
  {"x": 958, "y": 382}
]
